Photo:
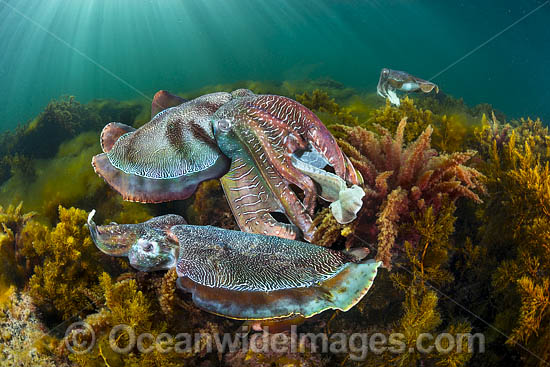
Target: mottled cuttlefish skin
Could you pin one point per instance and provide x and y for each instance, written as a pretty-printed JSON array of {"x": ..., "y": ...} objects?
[
  {"x": 255, "y": 277},
  {"x": 169, "y": 156},
  {"x": 243, "y": 275},
  {"x": 392, "y": 80},
  {"x": 260, "y": 133},
  {"x": 147, "y": 245}
]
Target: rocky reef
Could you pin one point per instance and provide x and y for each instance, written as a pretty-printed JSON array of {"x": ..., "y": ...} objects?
[{"x": 457, "y": 208}]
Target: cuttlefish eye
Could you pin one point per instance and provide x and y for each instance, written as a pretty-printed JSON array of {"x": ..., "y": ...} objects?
[
  {"x": 146, "y": 246},
  {"x": 224, "y": 124},
  {"x": 385, "y": 72}
]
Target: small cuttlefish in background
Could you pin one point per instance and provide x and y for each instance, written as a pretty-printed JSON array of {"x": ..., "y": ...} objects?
[{"x": 392, "y": 80}]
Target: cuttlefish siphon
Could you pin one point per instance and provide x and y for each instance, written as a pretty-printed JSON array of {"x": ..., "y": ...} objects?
[{"x": 241, "y": 275}]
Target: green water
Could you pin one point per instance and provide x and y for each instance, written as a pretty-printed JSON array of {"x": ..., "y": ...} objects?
[{"x": 129, "y": 49}]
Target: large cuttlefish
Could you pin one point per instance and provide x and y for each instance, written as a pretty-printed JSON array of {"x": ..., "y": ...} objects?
[
  {"x": 242, "y": 275},
  {"x": 272, "y": 143},
  {"x": 392, "y": 80},
  {"x": 276, "y": 143}
]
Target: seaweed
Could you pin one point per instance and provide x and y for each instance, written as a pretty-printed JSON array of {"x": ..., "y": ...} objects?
[
  {"x": 60, "y": 120},
  {"x": 22, "y": 333},
  {"x": 110, "y": 110},
  {"x": 127, "y": 303},
  {"x": 209, "y": 206},
  {"x": 520, "y": 184},
  {"x": 402, "y": 180},
  {"x": 326, "y": 108},
  {"x": 405, "y": 304},
  {"x": 389, "y": 116},
  {"x": 65, "y": 283},
  {"x": 68, "y": 179},
  {"x": 13, "y": 224}
]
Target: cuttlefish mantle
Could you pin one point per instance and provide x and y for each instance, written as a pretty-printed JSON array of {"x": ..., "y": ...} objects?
[
  {"x": 169, "y": 156},
  {"x": 392, "y": 80},
  {"x": 247, "y": 276}
]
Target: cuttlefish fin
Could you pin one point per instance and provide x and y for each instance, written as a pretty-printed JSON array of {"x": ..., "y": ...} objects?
[
  {"x": 252, "y": 202},
  {"x": 142, "y": 189},
  {"x": 341, "y": 292},
  {"x": 427, "y": 87},
  {"x": 110, "y": 134},
  {"x": 163, "y": 100}
]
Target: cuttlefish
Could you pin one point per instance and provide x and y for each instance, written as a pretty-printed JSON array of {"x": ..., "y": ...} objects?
[
  {"x": 261, "y": 134},
  {"x": 169, "y": 156},
  {"x": 242, "y": 275},
  {"x": 392, "y": 80},
  {"x": 187, "y": 142}
]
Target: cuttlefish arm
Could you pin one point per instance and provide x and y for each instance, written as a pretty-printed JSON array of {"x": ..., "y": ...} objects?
[
  {"x": 392, "y": 96},
  {"x": 345, "y": 202},
  {"x": 117, "y": 239},
  {"x": 292, "y": 117},
  {"x": 252, "y": 201},
  {"x": 279, "y": 158}
]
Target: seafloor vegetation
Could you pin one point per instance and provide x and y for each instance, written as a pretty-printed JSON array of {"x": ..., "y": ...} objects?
[{"x": 457, "y": 207}]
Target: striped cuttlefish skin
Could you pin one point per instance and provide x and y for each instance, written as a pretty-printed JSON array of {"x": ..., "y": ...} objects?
[
  {"x": 168, "y": 157},
  {"x": 261, "y": 133},
  {"x": 242, "y": 275}
]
